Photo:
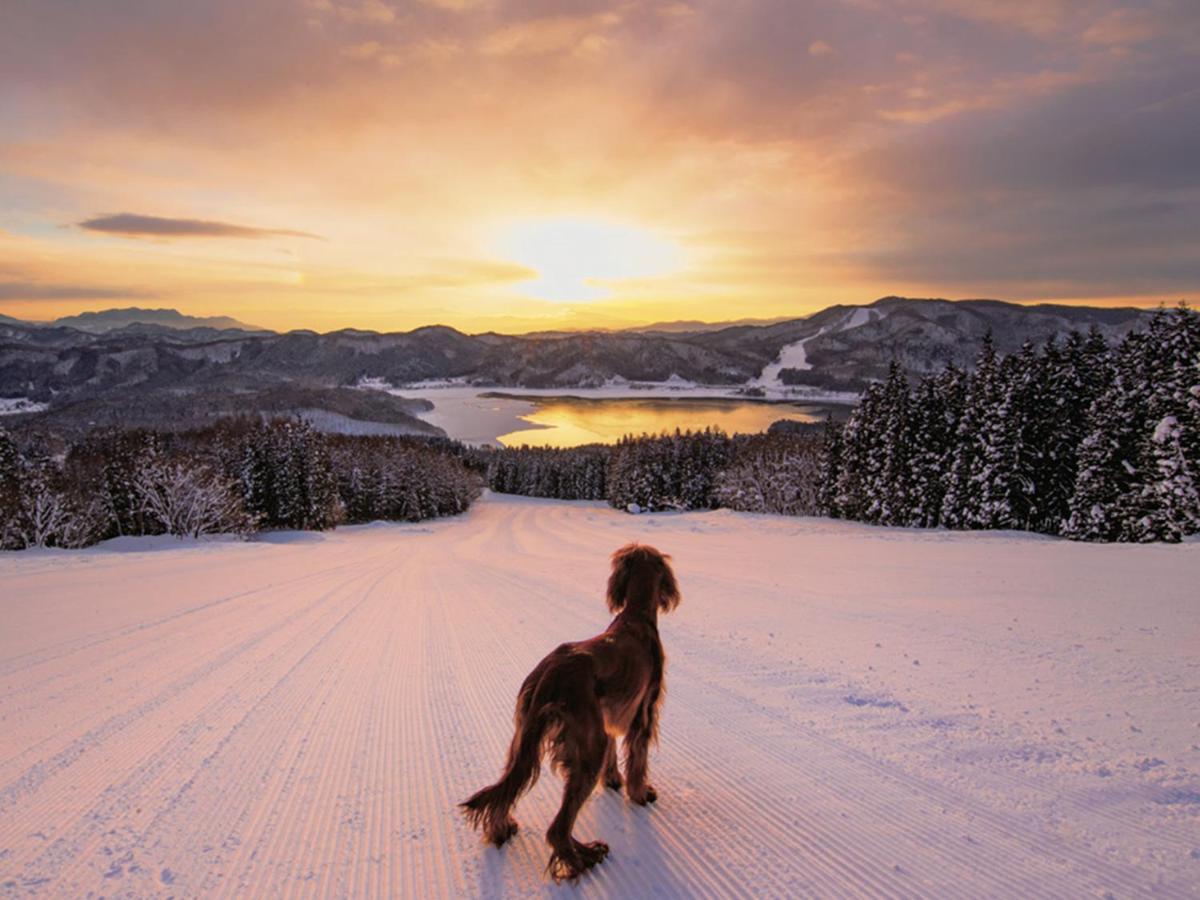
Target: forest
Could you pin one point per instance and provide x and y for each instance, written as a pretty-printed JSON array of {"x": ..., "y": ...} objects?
[{"x": 237, "y": 476}]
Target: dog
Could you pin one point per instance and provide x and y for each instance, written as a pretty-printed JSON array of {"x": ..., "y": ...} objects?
[{"x": 577, "y": 702}]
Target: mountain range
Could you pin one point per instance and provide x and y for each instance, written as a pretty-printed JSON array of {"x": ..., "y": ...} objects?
[
  {"x": 113, "y": 319},
  {"x": 178, "y": 369}
]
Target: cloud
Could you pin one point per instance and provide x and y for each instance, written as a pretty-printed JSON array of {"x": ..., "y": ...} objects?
[
  {"x": 28, "y": 290},
  {"x": 539, "y": 37},
  {"x": 1123, "y": 26},
  {"x": 947, "y": 142},
  {"x": 135, "y": 225}
]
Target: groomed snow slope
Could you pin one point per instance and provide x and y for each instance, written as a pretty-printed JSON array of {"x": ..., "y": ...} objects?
[{"x": 851, "y": 711}]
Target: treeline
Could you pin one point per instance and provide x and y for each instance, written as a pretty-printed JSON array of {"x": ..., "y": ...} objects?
[
  {"x": 1092, "y": 442},
  {"x": 237, "y": 476},
  {"x": 688, "y": 470}
]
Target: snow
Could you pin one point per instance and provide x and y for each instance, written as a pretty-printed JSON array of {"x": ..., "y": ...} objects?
[
  {"x": 791, "y": 356},
  {"x": 335, "y": 423},
  {"x": 620, "y": 389},
  {"x": 1164, "y": 429},
  {"x": 850, "y": 711},
  {"x": 795, "y": 356},
  {"x": 11, "y": 406},
  {"x": 859, "y": 316}
]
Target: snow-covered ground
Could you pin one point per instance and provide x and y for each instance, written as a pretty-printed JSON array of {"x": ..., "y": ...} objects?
[
  {"x": 851, "y": 711},
  {"x": 795, "y": 356},
  {"x": 11, "y": 406}
]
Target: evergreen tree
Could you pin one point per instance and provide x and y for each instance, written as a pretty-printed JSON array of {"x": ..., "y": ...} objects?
[
  {"x": 937, "y": 406},
  {"x": 1108, "y": 480},
  {"x": 830, "y": 470},
  {"x": 10, "y": 492},
  {"x": 890, "y": 475},
  {"x": 962, "y": 506}
]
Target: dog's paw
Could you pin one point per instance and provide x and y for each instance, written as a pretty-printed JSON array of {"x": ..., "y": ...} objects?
[
  {"x": 614, "y": 782},
  {"x": 592, "y": 854},
  {"x": 500, "y": 835},
  {"x": 569, "y": 865},
  {"x": 646, "y": 795}
]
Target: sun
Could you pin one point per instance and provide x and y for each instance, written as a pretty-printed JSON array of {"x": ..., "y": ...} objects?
[{"x": 577, "y": 258}]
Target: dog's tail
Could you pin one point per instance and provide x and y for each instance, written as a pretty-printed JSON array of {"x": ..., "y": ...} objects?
[{"x": 488, "y": 808}]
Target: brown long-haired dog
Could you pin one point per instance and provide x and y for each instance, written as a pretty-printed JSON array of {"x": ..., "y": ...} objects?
[{"x": 577, "y": 702}]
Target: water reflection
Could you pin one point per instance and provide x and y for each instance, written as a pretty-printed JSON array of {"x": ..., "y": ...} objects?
[{"x": 570, "y": 423}]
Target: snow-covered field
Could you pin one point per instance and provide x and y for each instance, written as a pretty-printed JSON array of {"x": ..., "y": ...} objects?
[{"x": 851, "y": 711}]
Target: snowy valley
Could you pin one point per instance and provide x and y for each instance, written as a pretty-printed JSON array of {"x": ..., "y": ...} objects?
[{"x": 851, "y": 711}]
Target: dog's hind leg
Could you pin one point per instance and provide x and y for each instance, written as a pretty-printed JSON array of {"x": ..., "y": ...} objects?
[
  {"x": 612, "y": 772},
  {"x": 581, "y": 762}
]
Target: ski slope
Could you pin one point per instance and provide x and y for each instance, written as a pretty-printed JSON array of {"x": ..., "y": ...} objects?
[{"x": 851, "y": 711}]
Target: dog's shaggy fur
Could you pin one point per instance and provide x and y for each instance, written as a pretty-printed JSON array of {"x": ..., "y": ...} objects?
[{"x": 577, "y": 702}]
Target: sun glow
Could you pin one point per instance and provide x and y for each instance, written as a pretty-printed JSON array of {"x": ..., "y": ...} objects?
[{"x": 579, "y": 258}]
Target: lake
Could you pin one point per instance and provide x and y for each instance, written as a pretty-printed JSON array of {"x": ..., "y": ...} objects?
[{"x": 483, "y": 417}]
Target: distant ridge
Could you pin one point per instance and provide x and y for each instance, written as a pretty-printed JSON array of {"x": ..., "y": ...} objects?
[
  {"x": 683, "y": 326},
  {"x": 112, "y": 319}
]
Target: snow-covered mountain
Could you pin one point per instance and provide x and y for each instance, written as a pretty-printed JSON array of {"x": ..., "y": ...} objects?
[{"x": 840, "y": 348}]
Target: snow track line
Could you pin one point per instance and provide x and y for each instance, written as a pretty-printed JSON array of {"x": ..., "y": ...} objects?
[
  {"x": 114, "y": 799},
  {"x": 1119, "y": 816},
  {"x": 85, "y": 677},
  {"x": 7, "y": 669}
]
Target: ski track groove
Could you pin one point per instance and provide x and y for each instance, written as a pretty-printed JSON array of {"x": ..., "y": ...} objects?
[
  {"x": 104, "y": 637},
  {"x": 68, "y": 851},
  {"x": 311, "y": 736},
  {"x": 103, "y": 713}
]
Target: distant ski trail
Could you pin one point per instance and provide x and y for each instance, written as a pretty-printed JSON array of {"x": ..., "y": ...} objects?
[{"x": 300, "y": 719}]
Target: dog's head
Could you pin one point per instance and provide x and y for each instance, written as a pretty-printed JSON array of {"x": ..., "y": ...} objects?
[{"x": 637, "y": 566}]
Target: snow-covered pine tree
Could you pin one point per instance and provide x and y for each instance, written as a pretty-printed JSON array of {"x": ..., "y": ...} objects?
[
  {"x": 889, "y": 489},
  {"x": 936, "y": 407},
  {"x": 1009, "y": 472},
  {"x": 860, "y": 452},
  {"x": 962, "y": 504},
  {"x": 1109, "y": 476},
  {"x": 830, "y": 469},
  {"x": 10, "y": 492},
  {"x": 1171, "y": 501},
  {"x": 1165, "y": 506}
]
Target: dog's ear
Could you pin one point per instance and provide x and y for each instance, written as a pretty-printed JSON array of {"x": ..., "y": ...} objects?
[
  {"x": 618, "y": 581},
  {"x": 668, "y": 591}
]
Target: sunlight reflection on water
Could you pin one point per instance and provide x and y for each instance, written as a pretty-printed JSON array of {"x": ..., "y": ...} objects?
[{"x": 570, "y": 423}]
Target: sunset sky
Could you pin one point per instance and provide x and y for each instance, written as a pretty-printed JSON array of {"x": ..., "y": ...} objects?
[{"x": 492, "y": 164}]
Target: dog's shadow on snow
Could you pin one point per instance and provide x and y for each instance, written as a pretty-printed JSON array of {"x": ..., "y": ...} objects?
[{"x": 640, "y": 861}]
